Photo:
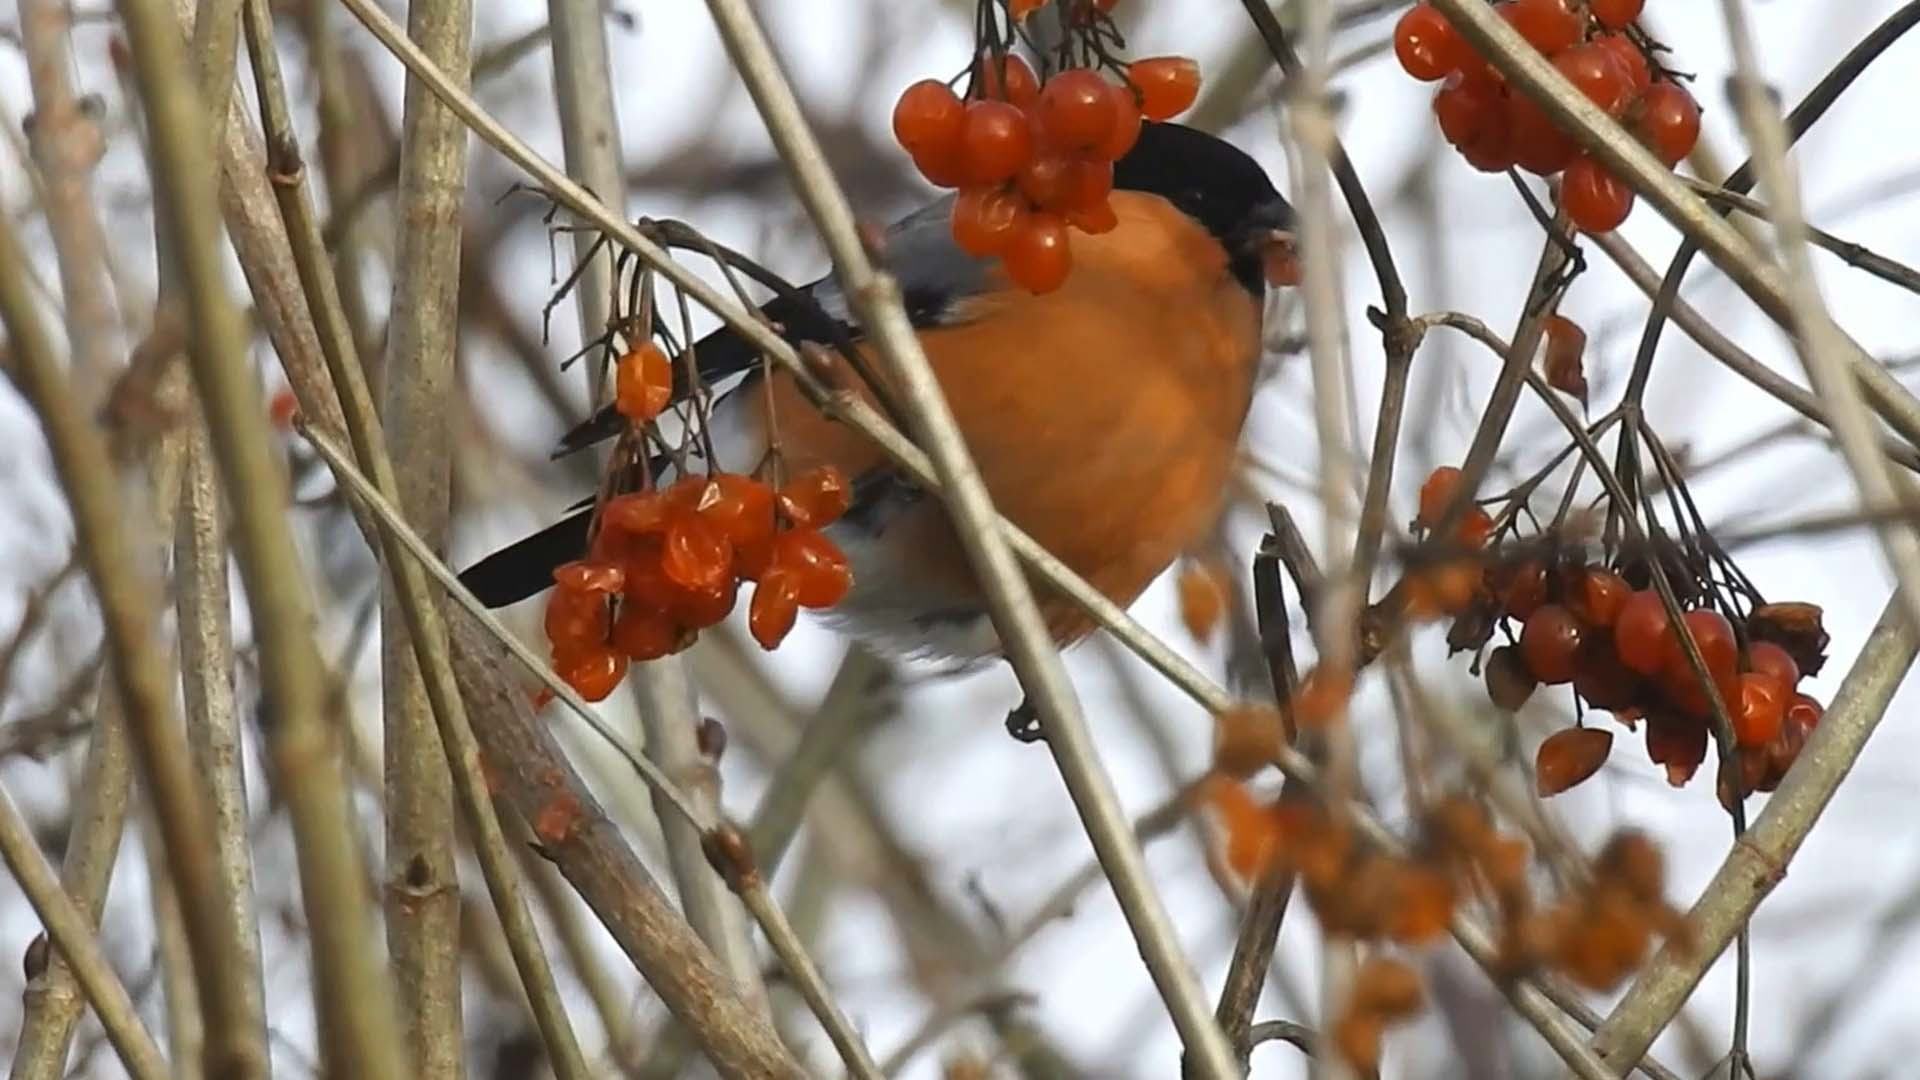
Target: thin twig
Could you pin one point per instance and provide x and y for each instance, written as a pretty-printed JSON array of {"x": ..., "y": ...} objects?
[{"x": 1855, "y": 255}]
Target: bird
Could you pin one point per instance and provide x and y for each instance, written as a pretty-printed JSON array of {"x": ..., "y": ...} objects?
[{"x": 1104, "y": 416}]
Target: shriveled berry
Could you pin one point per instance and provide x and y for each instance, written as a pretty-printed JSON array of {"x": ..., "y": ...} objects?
[
  {"x": 575, "y": 619},
  {"x": 775, "y": 607},
  {"x": 817, "y": 497},
  {"x": 1167, "y": 85},
  {"x": 1509, "y": 682},
  {"x": 1569, "y": 757},
  {"x": 1600, "y": 677},
  {"x": 1677, "y": 742},
  {"x": 1562, "y": 359},
  {"x": 1076, "y": 113},
  {"x": 1549, "y": 641},
  {"x": 1039, "y": 258}
]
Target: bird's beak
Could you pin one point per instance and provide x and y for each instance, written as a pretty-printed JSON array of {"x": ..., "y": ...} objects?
[{"x": 1269, "y": 233}]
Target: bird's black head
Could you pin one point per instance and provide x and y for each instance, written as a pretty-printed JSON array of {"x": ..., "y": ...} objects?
[{"x": 1216, "y": 184}]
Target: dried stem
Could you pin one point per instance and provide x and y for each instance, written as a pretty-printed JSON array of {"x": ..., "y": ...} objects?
[
  {"x": 352, "y": 993},
  {"x": 421, "y": 890}
]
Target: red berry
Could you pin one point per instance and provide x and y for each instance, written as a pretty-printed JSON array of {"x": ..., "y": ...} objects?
[
  {"x": 1568, "y": 757},
  {"x": 819, "y": 570},
  {"x": 1047, "y": 180},
  {"x": 986, "y": 219},
  {"x": 775, "y": 607},
  {"x": 1539, "y": 146},
  {"x": 928, "y": 118},
  {"x": 1089, "y": 184},
  {"x": 1668, "y": 122},
  {"x": 1598, "y": 74},
  {"x": 1768, "y": 658},
  {"x": 816, "y": 498},
  {"x": 1600, "y": 677},
  {"x": 643, "y": 383},
  {"x": 1126, "y": 122},
  {"x": 1713, "y": 634},
  {"x": 1005, "y": 78},
  {"x": 1475, "y": 528},
  {"x": 1804, "y": 712},
  {"x": 1466, "y": 109},
  {"x": 996, "y": 141},
  {"x": 1616, "y": 14},
  {"x": 1546, "y": 24},
  {"x": 1039, "y": 257},
  {"x": 1167, "y": 85},
  {"x": 1630, "y": 58},
  {"x": 1595, "y": 199},
  {"x": 702, "y": 607},
  {"x": 1761, "y": 708},
  {"x": 1520, "y": 587},
  {"x": 1642, "y": 632},
  {"x": 1427, "y": 44},
  {"x": 1076, "y": 113},
  {"x": 1492, "y": 150},
  {"x": 944, "y": 167},
  {"x": 1509, "y": 683},
  {"x": 1596, "y": 595},
  {"x": 637, "y": 513},
  {"x": 1677, "y": 742},
  {"x": 1549, "y": 641}
]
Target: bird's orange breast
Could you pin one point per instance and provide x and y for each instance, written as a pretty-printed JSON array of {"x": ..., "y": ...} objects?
[{"x": 1104, "y": 416}]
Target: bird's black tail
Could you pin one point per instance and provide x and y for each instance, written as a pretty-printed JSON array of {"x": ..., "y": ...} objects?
[{"x": 525, "y": 567}]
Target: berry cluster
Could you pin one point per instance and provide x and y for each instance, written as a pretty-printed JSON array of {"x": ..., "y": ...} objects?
[
  {"x": 667, "y": 563},
  {"x": 1032, "y": 159},
  {"x": 1495, "y": 127},
  {"x": 1605, "y": 631},
  {"x": 1597, "y": 933}
]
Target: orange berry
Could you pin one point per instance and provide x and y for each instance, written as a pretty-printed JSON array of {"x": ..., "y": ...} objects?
[
  {"x": 1075, "y": 113},
  {"x": 1039, "y": 258},
  {"x": 986, "y": 219},
  {"x": 1616, "y": 14},
  {"x": 1475, "y": 528},
  {"x": 643, "y": 633},
  {"x": 928, "y": 118},
  {"x": 703, "y": 607},
  {"x": 1126, "y": 123},
  {"x": 1246, "y": 738},
  {"x": 1596, "y": 595},
  {"x": 1167, "y": 84},
  {"x": 1768, "y": 658},
  {"x": 697, "y": 555},
  {"x": 942, "y": 166},
  {"x": 996, "y": 141},
  {"x": 639, "y": 513},
  {"x": 1020, "y": 9},
  {"x": 1203, "y": 598},
  {"x": 1094, "y": 220},
  {"x": 775, "y": 607},
  {"x": 1089, "y": 184},
  {"x": 1713, "y": 634},
  {"x": 282, "y": 409},
  {"x": 1437, "y": 494},
  {"x": 1568, "y": 757},
  {"x": 1047, "y": 180},
  {"x": 575, "y": 619},
  {"x": 1322, "y": 696},
  {"x": 740, "y": 506},
  {"x": 1760, "y": 709},
  {"x": 816, "y": 498},
  {"x": 1005, "y": 78},
  {"x": 643, "y": 383},
  {"x": 1595, "y": 199},
  {"x": 1641, "y": 632},
  {"x": 1546, "y": 24},
  {"x": 1386, "y": 987},
  {"x": 1427, "y": 45},
  {"x": 818, "y": 568}
]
